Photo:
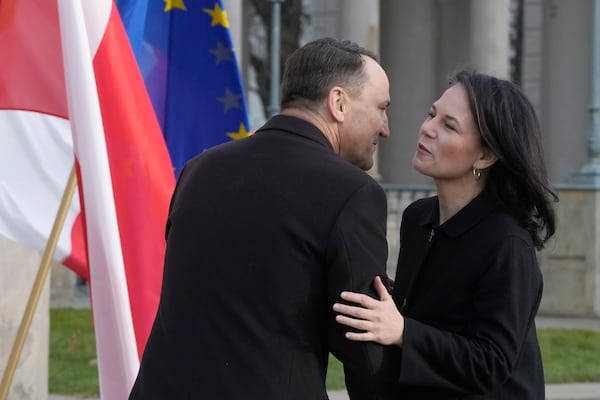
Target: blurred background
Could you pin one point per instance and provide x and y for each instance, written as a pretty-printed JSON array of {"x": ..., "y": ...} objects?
[{"x": 548, "y": 47}]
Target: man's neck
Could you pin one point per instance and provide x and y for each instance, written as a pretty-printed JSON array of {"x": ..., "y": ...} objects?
[{"x": 318, "y": 119}]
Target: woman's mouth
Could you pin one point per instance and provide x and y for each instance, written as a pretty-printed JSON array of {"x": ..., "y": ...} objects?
[{"x": 422, "y": 149}]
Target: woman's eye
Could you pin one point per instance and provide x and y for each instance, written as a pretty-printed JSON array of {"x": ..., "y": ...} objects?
[
  {"x": 431, "y": 114},
  {"x": 450, "y": 127}
]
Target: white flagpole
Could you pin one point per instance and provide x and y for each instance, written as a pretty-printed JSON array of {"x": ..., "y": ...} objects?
[{"x": 115, "y": 340}]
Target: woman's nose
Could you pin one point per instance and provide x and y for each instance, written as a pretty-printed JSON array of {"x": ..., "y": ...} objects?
[{"x": 427, "y": 128}]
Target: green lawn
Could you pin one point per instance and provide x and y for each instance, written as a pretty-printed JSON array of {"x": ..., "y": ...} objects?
[
  {"x": 569, "y": 355},
  {"x": 72, "y": 363}
]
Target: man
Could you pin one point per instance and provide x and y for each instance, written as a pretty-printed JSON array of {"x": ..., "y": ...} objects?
[{"x": 263, "y": 235}]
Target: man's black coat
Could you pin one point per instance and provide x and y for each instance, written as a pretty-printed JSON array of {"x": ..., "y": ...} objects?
[{"x": 263, "y": 234}]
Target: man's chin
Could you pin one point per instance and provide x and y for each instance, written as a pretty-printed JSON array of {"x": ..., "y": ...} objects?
[{"x": 367, "y": 166}]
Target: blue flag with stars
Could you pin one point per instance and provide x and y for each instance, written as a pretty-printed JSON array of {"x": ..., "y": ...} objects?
[{"x": 185, "y": 54}]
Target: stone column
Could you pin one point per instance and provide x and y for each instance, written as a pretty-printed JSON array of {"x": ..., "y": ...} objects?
[
  {"x": 408, "y": 53},
  {"x": 235, "y": 15},
  {"x": 531, "y": 79},
  {"x": 489, "y": 46},
  {"x": 18, "y": 268},
  {"x": 359, "y": 22},
  {"x": 589, "y": 175},
  {"x": 566, "y": 86}
]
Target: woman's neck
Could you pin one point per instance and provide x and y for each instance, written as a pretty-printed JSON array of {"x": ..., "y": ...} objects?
[{"x": 454, "y": 196}]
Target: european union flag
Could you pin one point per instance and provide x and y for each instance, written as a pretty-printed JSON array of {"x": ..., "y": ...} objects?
[{"x": 185, "y": 54}]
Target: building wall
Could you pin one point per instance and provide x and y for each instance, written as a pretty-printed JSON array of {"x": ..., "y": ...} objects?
[
  {"x": 571, "y": 260},
  {"x": 422, "y": 42}
]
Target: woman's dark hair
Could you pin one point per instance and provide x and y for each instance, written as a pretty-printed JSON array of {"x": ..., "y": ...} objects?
[
  {"x": 509, "y": 127},
  {"x": 313, "y": 69}
]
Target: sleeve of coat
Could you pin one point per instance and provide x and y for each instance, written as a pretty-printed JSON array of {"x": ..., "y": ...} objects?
[
  {"x": 483, "y": 356},
  {"x": 356, "y": 254}
]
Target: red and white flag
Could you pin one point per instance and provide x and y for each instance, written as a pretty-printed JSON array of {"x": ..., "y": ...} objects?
[{"x": 124, "y": 171}]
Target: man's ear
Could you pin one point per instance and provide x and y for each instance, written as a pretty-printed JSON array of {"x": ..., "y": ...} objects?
[
  {"x": 336, "y": 102},
  {"x": 486, "y": 160}
]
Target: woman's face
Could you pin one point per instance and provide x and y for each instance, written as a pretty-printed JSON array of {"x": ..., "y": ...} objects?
[{"x": 449, "y": 143}]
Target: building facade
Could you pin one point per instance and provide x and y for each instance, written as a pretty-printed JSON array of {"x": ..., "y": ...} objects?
[{"x": 421, "y": 43}]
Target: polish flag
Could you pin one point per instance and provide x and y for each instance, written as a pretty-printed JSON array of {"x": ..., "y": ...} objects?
[{"x": 96, "y": 108}]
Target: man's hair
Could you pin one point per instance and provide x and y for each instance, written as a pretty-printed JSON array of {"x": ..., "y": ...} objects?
[{"x": 313, "y": 69}]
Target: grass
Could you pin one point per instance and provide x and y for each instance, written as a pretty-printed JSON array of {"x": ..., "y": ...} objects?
[
  {"x": 72, "y": 353},
  {"x": 335, "y": 374},
  {"x": 568, "y": 355}
]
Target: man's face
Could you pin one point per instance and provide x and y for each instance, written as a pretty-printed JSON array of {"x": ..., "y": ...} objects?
[{"x": 366, "y": 117}]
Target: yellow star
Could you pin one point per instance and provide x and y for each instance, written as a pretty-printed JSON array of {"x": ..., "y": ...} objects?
[
  {"x": 219, "y": 17},
  {"x": 171, "y": 4},
  {"x": 242, "y": 133}
]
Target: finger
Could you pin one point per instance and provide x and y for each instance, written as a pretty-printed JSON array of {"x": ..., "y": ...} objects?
[
  {"x": 360, "y": 337},
  {"x": 358, "y": 298},
  {"x": 352, "y": 311},
  {"x": 382, "y": 291},
  {"x": 359, "y": 324}
]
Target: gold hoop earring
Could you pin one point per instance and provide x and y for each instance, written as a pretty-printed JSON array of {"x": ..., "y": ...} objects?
[{"x": 476, "y": 173}]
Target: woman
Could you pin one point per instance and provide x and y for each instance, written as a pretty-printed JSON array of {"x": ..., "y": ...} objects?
[{"x": 468, "y": 284}]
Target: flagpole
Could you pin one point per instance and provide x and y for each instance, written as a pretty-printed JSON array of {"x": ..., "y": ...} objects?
[
  {"x": 275, "y": 55},
  {"x": 38, "y": 285}
]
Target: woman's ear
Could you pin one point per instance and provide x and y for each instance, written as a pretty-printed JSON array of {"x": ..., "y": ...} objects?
[
  {"x": 486, "y": 160},
  {"x": 336, "y": 103}
]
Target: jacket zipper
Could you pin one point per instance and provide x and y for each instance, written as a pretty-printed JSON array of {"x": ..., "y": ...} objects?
[{"x": 429, "y": 240}]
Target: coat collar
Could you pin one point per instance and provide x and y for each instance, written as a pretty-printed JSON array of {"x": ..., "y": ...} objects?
[
  {"x": 469, "y": 216},
  {"x": 296, "y": 126}
]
